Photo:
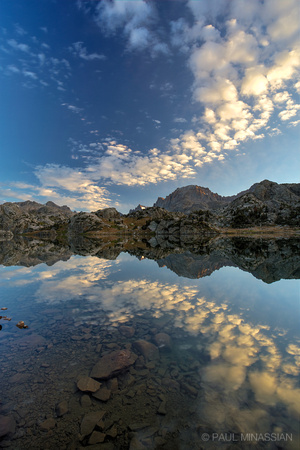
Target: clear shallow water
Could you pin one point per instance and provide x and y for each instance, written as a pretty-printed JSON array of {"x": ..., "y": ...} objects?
[{"x": 229, "y": 375}]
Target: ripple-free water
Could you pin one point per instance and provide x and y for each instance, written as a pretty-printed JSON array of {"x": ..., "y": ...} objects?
[{"x": 229, "y": 377}]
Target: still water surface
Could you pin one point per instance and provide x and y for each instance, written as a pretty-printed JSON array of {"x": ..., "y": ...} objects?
[{"x": 226, "y": 373}]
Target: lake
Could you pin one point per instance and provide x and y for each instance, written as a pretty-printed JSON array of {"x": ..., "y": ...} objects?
[{"x": 200, "y": 345}]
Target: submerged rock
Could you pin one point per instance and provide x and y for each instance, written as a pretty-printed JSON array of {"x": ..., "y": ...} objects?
[
  {"x": 96, "y": 437},
  {"x": 7, "y": 425},
  {"x": 109, "y": 365},
  {"x": 148, "y": 350},
  {"x": 62, "y": 408},
  {"x": 102, "y": 394},
  {"x": 87, "y": 384},
  {"x": 48, "y": 424},
  {"x": 85, "y": 401},
  {"x": 127, "y": 331},
  {"x": 89, "y": 422},
  {"x": 163, "y": 340}
]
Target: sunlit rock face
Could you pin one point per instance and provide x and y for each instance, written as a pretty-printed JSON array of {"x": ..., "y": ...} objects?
[{"x": 264, "y": 203}]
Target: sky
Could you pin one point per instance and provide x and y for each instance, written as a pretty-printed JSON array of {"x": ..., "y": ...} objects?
[{"x": 112, "y": 103}]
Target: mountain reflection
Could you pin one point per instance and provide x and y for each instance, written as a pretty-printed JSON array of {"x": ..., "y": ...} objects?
[
  {"x": 245, "y": 351},
  {"x": 267, "y": 259}
]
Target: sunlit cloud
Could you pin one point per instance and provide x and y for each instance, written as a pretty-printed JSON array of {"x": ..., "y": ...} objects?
[
  {"x": 238, "y": 70},
  {"x": 72, "y": 187}
]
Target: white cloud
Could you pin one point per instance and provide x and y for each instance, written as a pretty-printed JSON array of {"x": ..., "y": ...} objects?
[
  {"x": 12, "y": 68},
  {"x": 30, "y": 74},
  {"x": 72, "y": 186},
  {"x": 18, "y": 46},
  {"x": 79, "y": 50},
  {"x": 238, "y": 69},
  {"x": 255, "y": 82},
  {"x": 72, "y": 108},
  {"x": 180, "y": 120},
  {"x": 135, "y": 19},
  {"x": 139, "y": 38}
]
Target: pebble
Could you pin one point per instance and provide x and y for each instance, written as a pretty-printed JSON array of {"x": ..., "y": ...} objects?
[
  {"x": 62, "y": 408},
  {"x": 112, "y": 432},
  {"x": 48, "y": 424},
  {"x": 113, "y": 385},
  {"x": 102, "y": 394},
  {"x": 127, "y": 331},
  {"x": 138, "y": 426},
  {"x": 99, "y": 348},
  {"x": 96, "y": 437},
  {"x": 162, "y": 409},
  {"x": 85, "y": 401},
  {"x": 189, "y": 389}
]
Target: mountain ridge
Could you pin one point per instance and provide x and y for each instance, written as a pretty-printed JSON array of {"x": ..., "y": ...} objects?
[
  {"x": 190, "y": 198},
  {"x": 188, "y": 212}
]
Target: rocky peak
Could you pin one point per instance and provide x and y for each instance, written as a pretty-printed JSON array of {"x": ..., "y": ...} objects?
[{"x": 192, "y": 198}]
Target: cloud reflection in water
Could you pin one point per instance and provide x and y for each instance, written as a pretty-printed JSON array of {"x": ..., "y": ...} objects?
[{"x": 250, "y": 369}]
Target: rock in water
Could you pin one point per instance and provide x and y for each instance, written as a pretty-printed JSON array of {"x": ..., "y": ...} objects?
[
  {"x": 103, "y": 394},
  {"x": 96, "y": 437},
  {"x": 148, "y": 350},
  {"x": 62, "y": 408},
  {"x": 127, "y": 331},
  {"x": 109, "y": 365},
  {"x": 48, "y": 424},
  {"x": 89, "y": 422},
  {"x": 163, "y": 340},
  {"x": 7, "y": 425},
  {"x": 87, "y": 384}
]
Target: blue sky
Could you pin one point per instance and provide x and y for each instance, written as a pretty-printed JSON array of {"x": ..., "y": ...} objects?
[{"x": 114, "y": 103}]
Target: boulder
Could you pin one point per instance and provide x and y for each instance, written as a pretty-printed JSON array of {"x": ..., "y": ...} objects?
[
  {"x": 108, "y": 213},
  {"x": 84, "y": 222}
]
